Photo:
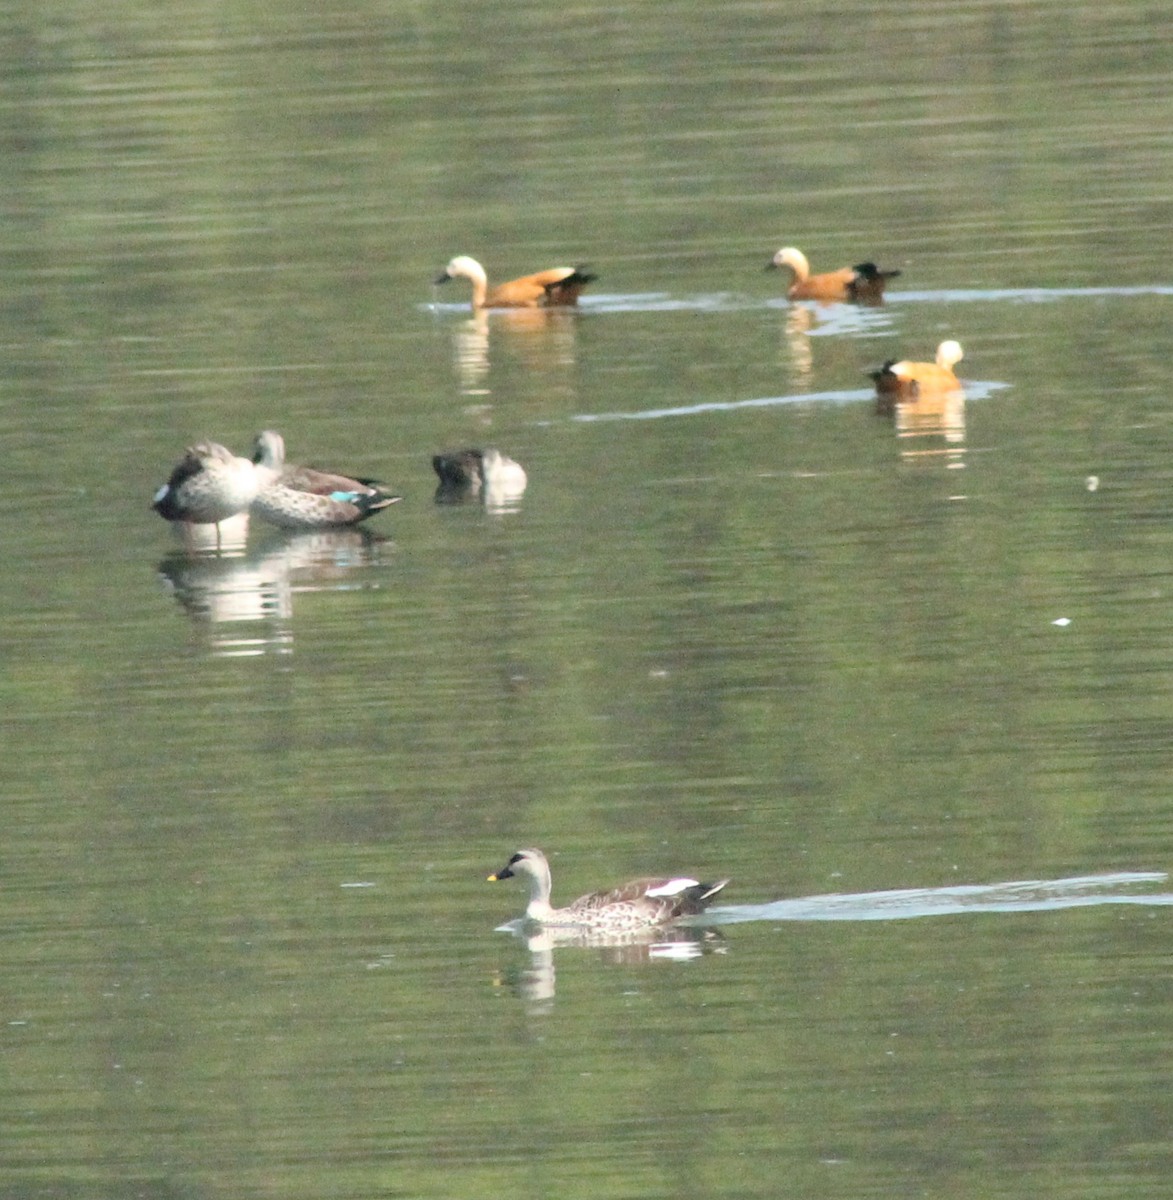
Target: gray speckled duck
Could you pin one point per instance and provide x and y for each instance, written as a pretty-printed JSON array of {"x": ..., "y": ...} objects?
[
  {"x": 209, "y": 485},
  {"x": 306, "y": 498},
  {"x": 640, "y": 904}
]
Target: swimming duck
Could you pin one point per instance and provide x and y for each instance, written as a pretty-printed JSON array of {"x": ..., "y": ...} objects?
[
  {"x": 559, "y": 286},
  {"x": 486, "y": 473},
  {"x": 863, "y": 283},
  {"x": 907, "y": 380},
  {"x": 306, "y": 498},
  {"x": 208, "y": 485},
  {"x": 640, "y": 904}
]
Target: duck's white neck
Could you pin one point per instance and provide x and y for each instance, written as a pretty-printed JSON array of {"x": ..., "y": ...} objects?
[
  {"x": 788, "y": 256},
  {"x": 269, "y": 456},
  {"x": 538, "y": 908},
  {"x": 468, "y": 268}
]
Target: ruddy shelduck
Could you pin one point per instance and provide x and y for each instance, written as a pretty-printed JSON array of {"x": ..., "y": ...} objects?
[
  {"x": 863, "y": 283},
  {"x": 906, "y": 380},
  {"x": 556, "y": 287}
]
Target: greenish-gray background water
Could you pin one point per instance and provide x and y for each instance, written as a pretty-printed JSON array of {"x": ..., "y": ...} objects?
[{"x": 738, "y": 626}]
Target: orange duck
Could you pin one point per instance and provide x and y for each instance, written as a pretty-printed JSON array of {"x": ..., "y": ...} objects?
[
  {"x": 557, "y": 287},
  {"x": 908, "y": 380},
  {"x": 863, "y": 283}
]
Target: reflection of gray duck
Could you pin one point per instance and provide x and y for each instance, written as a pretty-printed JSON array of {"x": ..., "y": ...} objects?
[
  {"x": 209, "y": 484},
  {"x": 306, "y": 498},
  {"x": 640, "y": 904},
  {"x": 488, "y": 473}
]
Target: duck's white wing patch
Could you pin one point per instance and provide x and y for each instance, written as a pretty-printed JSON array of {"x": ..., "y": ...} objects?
[{"x": 671, "y": 887}]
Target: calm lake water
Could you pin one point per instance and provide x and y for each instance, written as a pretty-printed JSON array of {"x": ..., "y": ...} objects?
[{"x": 909, "y": 683}]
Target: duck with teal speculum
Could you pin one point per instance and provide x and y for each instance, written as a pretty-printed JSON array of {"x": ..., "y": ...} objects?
[{"x": 294, "y": 497}]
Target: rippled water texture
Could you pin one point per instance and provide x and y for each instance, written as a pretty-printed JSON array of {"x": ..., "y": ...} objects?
[{"x": 907, "y": 679}]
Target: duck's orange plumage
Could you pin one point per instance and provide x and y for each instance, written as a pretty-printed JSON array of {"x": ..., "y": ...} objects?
[
  {"x": 863, "y": 283},
  {"x": 905, "y": 380},
  {"x": 556, "y": 287}
]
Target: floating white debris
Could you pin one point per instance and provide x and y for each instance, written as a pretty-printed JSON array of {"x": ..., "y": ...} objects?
[
  {"x": 1062, "y": 622},
  {"x": 1092, "y": 483}
]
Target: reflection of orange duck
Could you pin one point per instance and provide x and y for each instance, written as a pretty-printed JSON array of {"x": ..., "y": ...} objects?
[
  {"x": 909, "y": 380},
  {"x": 933, "y": 414},
  {"x": 863, "y": 283},
  {"x": 559, "y": 286}
]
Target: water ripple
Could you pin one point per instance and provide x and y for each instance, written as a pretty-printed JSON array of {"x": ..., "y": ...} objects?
[
  {"x": 973, "y": 391},
  {"x": 834, "y": 317},
  {"x": 1026, "y": 295}
]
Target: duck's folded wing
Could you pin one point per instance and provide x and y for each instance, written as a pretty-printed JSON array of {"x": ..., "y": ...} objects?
[
  {"x": 636, "y": 889},
  {"x": 557, "y": 285}
]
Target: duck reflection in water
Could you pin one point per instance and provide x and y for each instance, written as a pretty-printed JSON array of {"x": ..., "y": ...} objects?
[
  {"x": 835, "y": 323},
  {"x": 487, "y": 476},
  {"x": 542, "y": 338},
  {"x": 245, "y": 603},
  {"x": 535, "y": 981},
  {"x": 927, "y": 401},
  {"x": 228, "y": 537},
  {"x": 920, "y": 422},
  {"x": 799, "y": 320}
]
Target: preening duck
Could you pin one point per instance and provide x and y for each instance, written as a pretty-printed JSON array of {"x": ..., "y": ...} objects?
[
  {"x": 556, "y": 287},
  {"x": 306, "y": 498},
  {"x": 208, "y": 485},
  {"x": 485, "y": 473},
  {"x": 907, "y": 380},
  {"x": 864, "y": 283},
  {"x": 640, "y": 904}
]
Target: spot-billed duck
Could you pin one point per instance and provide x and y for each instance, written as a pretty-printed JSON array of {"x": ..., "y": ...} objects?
[
  {"x": 306, "y": 498},
  {"x": 640, "y": 904},
  {"x": 208, "y": 485}
]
